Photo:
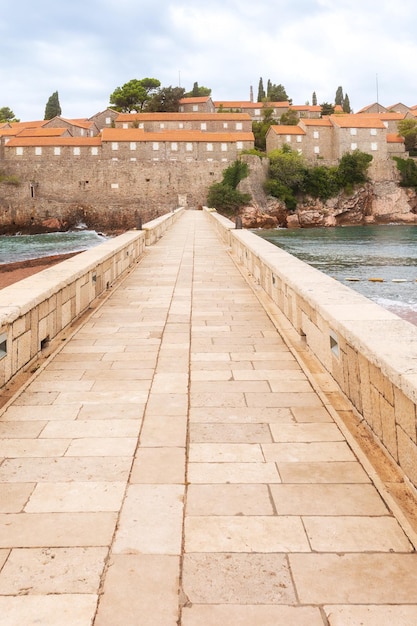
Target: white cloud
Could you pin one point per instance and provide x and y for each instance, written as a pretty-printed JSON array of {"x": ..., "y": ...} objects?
[{"x": 85, "y": 50}]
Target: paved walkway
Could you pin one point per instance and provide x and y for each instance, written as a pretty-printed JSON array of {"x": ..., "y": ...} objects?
[{"x": 175, "y": 443}]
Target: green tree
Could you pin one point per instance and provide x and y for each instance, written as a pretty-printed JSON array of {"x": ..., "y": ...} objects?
[
  {"x": 52, "y": 108},
  {"x": 407, "y": 128},
  {"x": 339, "y": 96},
  {"x": 353, "y": 168},
  {"x": 260, "y": 129},
  {"x": 7, "y": 115},
  {"x": 277, "y": 93},
  {"x": 408, "y": 172},
  {"x": 198, "y": 92},
  {"x": 134, "y": 95},
  {"x": 314, "y": 99},
  {"x": 225, "y": 196},
  {"x": 261, "y": 91},
  {"x": 326, "y": 109},
  {"x": 346, "y": 105},
  {"x": 166, "y": 100},
  {"x": 290, "y": 118}
]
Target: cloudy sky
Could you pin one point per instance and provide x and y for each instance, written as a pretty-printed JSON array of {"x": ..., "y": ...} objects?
[{"x": 84, "y": 49}]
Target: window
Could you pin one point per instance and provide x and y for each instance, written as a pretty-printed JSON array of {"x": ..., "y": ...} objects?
[
  {"x": 94, "y": 150},
  {"x": 288, "y": 138},
  {"x": 174, "y": 146},
  {"x": 209, "y": 147},
  {"x": 195, "y": 107},
  {"x": 125, "y": 125},
  {"x": 374, "y": 146},
  {"x": 133, "y": 145},
  {"x": 239, "y": 145},
  {"x": 57, "y": 150},
  {"x": 316, "y": 134},
  {"x": 353, "y": 146},
  {"x": 203, "y": 126},
  {"x": 82, "y": 132},
  {"x": 224, "y": 124},
  {"x": 162, "y": 125},
  {"x": 353, "y": 131},
  {"x": 239, "y": 125},
  {"x": 141, "y": 125},
  {"x": 373, "y": 131},
  {"x": 114, "y": 185},
  {"x": 316, "y": 150},
  {"x": 181, "y": 125},
  {"x": 299, "y": 139},
  {"x": 108, "y": 120},
  {"x": 224, "y": 147},
  {"x": 114, "y": 145},
  {"x": 189, "y": 147},
  {"x": 38, "y": 151},
  {"x": 257, "y": 111},
  {"x": 19, "y": 151},
  {"x": 155, "y": 145},
  {"x": 77, "y": 151}
]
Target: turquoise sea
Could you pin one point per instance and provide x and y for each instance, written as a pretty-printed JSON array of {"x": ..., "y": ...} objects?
[
  {"x": 355, "y": 254},
  {"x": 24, "y": 247}
]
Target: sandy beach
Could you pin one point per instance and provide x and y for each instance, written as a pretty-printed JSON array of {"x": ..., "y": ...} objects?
[{"x": 13, "y": 272}]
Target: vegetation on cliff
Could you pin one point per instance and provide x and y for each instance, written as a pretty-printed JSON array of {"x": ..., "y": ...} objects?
[
  {"x": 408, "y": 172},
  {"x": 224, "y": 195},
  {"x": 290, "y": 178}
]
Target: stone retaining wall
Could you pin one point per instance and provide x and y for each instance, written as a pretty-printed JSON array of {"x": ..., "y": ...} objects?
[
  {"x": 35, "y": 310},
  {"x": 371, "y": 353}
]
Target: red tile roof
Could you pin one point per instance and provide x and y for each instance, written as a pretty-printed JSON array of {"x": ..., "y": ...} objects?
[
  {"x": 196, "y": 100},
  {"x": 393, "y": 138},
  {"x": 54, "y": 141},
  {"x": 357, "y": 121},
  {"x": 246, "y": 104},
  {"x": 138, "y": 134},
  {"x": 287, "y": 130},
  {"x": 180, "y": 117}
]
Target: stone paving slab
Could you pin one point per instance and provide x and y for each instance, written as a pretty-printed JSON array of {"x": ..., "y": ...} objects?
[{"x": 173, "y": 465}]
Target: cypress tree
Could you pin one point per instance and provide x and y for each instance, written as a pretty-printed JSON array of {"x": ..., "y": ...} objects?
[
  {"x": 53, "y": 108},
  {"x": 339, "y": 96},
  {"x": 314, "y": 99},
  {"x": 261, "y": 90},
  {"x": 346, "y": 104}
]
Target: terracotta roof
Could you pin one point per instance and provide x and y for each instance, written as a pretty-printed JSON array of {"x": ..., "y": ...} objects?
[
  {"x": 393, "y": 138},
  {"x": 247, "y": 104},
  {"x": 34, "y": 124},
  {"x": 281, "y": 129},
  {"x": 369, "y": 106},
  {"x": 138, "y": 134},
  {"x": 357, "y": 121},
  {"x": 306, "y": 107},
  {"x": 321, "y": 121},
  {"x": 196, "y": 100},
  {"x": 42, "y": 132},
  {"x": 54, "y": 141},
  {"x": 180, "y": 117},
  {"x": 389, "y": 115}
]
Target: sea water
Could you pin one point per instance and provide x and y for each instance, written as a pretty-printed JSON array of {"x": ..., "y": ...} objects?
[
  {"x": 357, "y": 255},
  {"x": 25, "y": 247}
]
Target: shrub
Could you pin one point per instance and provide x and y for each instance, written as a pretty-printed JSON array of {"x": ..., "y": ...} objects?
[
  {"x": 225, "y": 198},
  {"x": 408, "y": 171}
]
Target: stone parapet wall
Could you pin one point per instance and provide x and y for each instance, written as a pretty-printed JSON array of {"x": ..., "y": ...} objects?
[
  {"x": 35, "y": 310},
  {"x": 371, "y": 353}
]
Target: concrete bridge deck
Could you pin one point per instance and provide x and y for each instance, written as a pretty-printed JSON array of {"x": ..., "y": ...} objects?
[{"x": 172, "y": 464}]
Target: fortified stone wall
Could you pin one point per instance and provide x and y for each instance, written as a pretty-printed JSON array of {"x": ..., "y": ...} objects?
[{"x": 103, "y": 194}]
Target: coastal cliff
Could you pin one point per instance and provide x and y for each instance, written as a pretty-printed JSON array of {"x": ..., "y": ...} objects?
[{"x": 377, "y": 202}]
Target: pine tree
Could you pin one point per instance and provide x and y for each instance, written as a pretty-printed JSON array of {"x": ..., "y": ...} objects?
[
  {"x": 261, "y": 90},
  {"x": 53, "y": 108},
  {"x": 268, "y": 89},
  {"x": 339, "y": 96},
  {"x": 314, "y": 99}
]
